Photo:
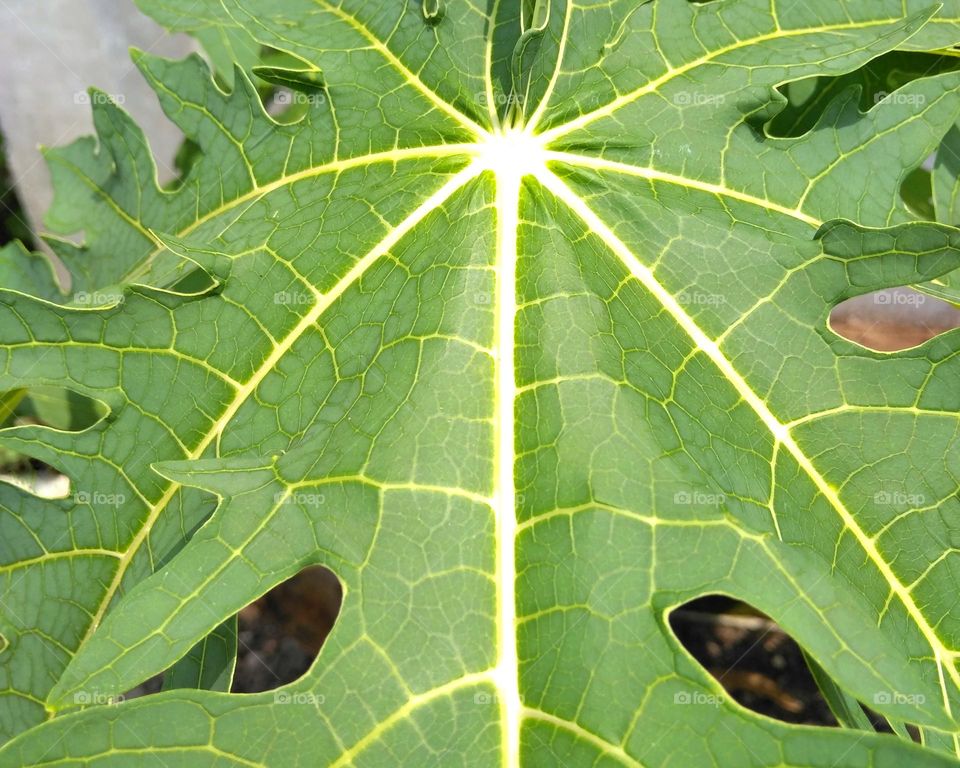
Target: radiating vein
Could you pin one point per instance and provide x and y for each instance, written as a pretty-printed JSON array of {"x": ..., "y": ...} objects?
[
  {"x": 652, "y": 86},
  {"x": 779, "y": 431},
  {"x": 508, "y": 223},
  {"x": 603, "y": 746},
  {"x": 652, "y": 174},
  {"x": 432, "y": 203},
  {"x": 334, "y": 166}
]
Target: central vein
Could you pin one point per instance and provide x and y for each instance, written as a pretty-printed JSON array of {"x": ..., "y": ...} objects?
[
  {"x": 504, "y": 159},
  {"x": 506, "y": 675}
]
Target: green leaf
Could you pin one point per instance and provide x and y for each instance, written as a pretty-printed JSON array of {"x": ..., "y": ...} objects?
[
  {"x": 900, "y": 729},
  {"x": 210, "y": 663},
  {"x": 844, "y": 707},
  {"x": 525, "y": 376},
  {"x": 8, "y": 405},
  {"x": 938, "y": 740},
  {"x": 946, "y": 192},
  {"x": 32, "y": 273},
  {"x": 927, "y": 196},
  {"x": 224, "y": 42},
  {"x": 807, "y": 99},
  {"x": 943, "y": 31}
]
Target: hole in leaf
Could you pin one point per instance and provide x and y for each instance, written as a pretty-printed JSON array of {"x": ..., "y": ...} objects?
[
  {"x": 278, "y": 638},
  {"x": 281, "y": 634},
  {"x": 32, "y": 476},
  {"x": 55, "y": 407},
  {"x": 760, "y": 665},
  {"x": 195, "y": 282},
  {"x": 146, "y": 688},
  {"x": 893, "y": 319},
  {"x": 807, "y": 100},
  {"x": 757, "y": 663},
  {"x": 187, "y": 156},
  {"x": 13, "y": 221},
  {"x": 916, "y": 192}
]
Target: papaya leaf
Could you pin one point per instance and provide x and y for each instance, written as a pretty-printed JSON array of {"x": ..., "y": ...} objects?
[{"x": 522, "y": 331}]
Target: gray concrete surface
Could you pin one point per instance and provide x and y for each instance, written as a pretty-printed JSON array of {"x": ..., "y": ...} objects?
[{"x": 51, "y": 51}]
